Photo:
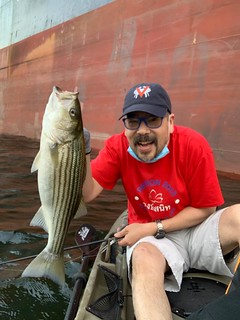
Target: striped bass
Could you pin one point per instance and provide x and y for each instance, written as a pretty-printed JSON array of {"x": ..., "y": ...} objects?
[{"x": 61, "y": 165}]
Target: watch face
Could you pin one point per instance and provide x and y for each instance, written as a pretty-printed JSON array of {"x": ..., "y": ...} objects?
[{"x": 160, "y": 234}]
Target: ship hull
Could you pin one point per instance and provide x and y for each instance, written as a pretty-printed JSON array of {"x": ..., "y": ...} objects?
[{"x": 192, "y": 48}]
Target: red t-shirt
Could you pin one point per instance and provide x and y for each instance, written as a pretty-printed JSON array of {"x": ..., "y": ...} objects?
[{"x": 185, "y": 177}]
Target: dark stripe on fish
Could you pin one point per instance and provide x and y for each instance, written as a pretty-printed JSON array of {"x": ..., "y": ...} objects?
[{"x": 67, "y": 191}]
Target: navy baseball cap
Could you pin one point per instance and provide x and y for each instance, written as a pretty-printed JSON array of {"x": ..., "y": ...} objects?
[{"x": 147, "y": 97}]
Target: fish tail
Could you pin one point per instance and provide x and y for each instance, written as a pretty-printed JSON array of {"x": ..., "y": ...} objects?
[{"x": 47, "y": 265}]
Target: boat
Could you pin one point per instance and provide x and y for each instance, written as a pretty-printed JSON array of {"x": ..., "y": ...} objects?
[
  {"x": 108, "y": 295},
  {"x": 102, "y": 48}
]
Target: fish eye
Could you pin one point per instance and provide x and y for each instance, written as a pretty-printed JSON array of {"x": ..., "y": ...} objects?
[{"x": 73, "y": 112}]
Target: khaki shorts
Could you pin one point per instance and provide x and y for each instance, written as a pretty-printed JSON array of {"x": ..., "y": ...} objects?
[{"x": 196, "y": 247}]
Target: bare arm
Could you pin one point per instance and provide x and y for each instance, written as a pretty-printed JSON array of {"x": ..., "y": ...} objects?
[
  {"x": 187, "y": 218},
  {"x": 91, "y": 188}
]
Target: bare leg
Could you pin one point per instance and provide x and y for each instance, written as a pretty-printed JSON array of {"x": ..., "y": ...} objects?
[
  {"x": 149, "y": 297},
  {"x": 229, "y": 228}
]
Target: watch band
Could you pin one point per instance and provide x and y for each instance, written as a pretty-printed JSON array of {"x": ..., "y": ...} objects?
[{"x": 160, "y": 230}]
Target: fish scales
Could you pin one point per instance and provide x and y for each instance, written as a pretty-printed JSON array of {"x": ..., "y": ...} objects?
[
  {"x": 65, "y": 178},
  {"x": 61, "y": 165}
]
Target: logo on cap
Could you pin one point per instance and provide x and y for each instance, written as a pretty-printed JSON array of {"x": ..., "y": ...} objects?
[{"x": 142, "y": 91}]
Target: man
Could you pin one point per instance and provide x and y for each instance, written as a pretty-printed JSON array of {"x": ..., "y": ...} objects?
[{"x": 170, "y": 180}]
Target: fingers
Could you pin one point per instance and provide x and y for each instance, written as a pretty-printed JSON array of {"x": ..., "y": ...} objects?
[
  {"x": 121, "y": 232},
  {"x": 87, "y": 139}
]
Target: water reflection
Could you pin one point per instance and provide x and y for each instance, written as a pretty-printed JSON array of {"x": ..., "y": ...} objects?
[
  {"x": 19, "y": 199},
  {"x": 231, "y": 190},
  {"x": 32, "y": 297}
]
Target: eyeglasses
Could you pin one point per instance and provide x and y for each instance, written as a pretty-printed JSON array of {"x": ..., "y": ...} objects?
[{"x": 134, "y": 123}]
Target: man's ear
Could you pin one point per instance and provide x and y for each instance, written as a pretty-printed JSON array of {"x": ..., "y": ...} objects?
[{"x": 171, "y": 122}]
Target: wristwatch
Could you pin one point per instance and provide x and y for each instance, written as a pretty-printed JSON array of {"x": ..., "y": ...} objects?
[{"x": 160, "y": 230}]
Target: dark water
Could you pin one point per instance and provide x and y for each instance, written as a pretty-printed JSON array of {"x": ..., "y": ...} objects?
[
  {"x": 24, "y": 298},
  {"x": 19, "y": 198}
]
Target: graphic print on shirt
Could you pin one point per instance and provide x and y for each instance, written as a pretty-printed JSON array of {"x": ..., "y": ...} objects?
[{"x": 156, "y": 197}]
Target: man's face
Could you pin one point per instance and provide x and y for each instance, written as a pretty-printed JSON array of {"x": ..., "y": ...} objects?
[{"x": 146, "y": 142}]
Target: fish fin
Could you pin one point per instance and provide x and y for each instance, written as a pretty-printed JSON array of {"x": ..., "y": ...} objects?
[
  {"x": 38, "y": 220},
  {"x": 54, "y": 153},
  {"x": 47, "y": 265},
  {"x": 53, "y": 147},
  {"x": 82, "y": 210},
  {"x": 35, "y": 163}
]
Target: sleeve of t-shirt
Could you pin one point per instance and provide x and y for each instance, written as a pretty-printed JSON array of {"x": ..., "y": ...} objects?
[
  {"x": 106, "y": 166},
  {"x": 202, "y": 182}
]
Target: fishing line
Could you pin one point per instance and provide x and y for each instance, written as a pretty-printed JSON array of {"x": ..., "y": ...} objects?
[
  {"x": 82, "y": 256},
  {"x": 65, "y": 249}
]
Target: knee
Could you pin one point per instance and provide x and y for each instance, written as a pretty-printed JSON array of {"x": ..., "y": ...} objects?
[
  {"x": 234, "y": 214},
  {"x": 231, "y": 217},
  {"x": 146, "y": 256},
  {"x": 235, "y": 207}
]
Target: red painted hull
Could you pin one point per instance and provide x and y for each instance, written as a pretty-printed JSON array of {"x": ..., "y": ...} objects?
[{"x": 191, "y": 47}]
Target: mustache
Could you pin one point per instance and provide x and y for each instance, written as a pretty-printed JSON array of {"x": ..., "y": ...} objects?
[{"x": 144, "y": 138}]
